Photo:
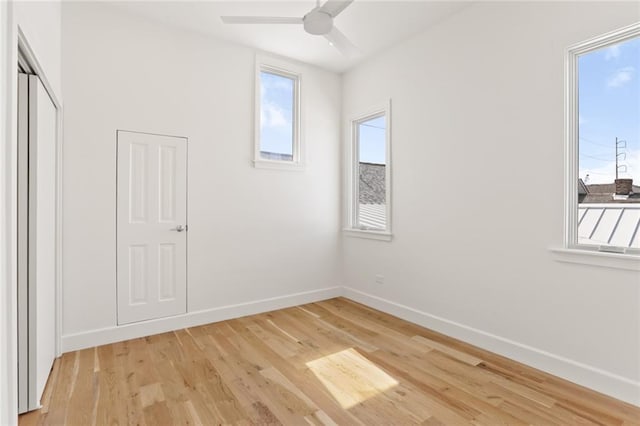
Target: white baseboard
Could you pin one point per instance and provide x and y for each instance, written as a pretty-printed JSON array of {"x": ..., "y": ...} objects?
[
  {"x": 103, "y": 336},
  {"x": 594, "y": 378}
]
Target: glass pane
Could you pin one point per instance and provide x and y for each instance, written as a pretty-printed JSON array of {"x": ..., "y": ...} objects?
[
  {"x": 609, "y": 144},
  {"x": 277, "y": 105},
  {"x": 372, "y": 163}
]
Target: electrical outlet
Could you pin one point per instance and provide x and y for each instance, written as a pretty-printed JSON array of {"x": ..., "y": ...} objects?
[{"x": 379, "y": 279}]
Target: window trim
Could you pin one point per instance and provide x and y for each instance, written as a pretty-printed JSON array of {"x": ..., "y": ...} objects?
[
  {"x": 570, "y": 243},
  {"x": 352, "y": 230},
  {"x": 288, "y": 70}
]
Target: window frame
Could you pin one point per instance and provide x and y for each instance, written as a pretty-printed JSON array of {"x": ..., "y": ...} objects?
[
  {"x": 287, "y": 70},
  {"x": 571, "y": 247},
  {"x": 352, "y": 228}
]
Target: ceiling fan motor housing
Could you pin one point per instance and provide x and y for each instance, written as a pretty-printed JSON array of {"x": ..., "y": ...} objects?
[{"x": 317, "y": 22}]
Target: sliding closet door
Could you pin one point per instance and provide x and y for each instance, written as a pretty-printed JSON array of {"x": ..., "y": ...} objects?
[
  {"x": 36, "y": 239},
  {"x": 23, "y": 243},
  {"x": 42, "y": 242}
]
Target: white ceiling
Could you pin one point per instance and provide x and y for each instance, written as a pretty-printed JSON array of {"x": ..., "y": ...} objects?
[{"x": 372, "y": 25}]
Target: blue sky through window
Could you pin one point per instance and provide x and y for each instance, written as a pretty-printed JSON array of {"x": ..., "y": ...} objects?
[
  {"x": 276, "y": 113},
  {"x": 609, "y": 107},
  {"x": 372, "y": 148}
]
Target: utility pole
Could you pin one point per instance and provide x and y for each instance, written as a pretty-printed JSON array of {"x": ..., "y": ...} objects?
[{"x": 620, "y": 144}]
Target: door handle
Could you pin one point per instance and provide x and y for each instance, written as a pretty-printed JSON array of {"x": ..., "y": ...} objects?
[{"x": 179, "y": 228}]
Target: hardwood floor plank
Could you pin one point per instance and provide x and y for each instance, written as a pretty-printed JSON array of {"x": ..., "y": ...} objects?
[
  {"x": 461, "y": 356},
  {"x": 378, "y": 334},
  {"x": 328, "y": 363},
  {"x": 110, "y": 383},
  {"x": 333, "y": 333},
  {"x": 82, "y": 398},
  {"x": 60, "y": 389}
]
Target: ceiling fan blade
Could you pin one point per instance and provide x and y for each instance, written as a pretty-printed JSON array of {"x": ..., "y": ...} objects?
[
  {"x": 342, "y": 43},
  {"x": 334, "y": 7},
  {"x": 260, "y": 20}
]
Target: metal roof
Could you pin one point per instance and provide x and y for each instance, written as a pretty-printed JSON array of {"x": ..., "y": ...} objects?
[
  {"x": 372, "y": 215},
  {"x": 609, "y": 224}
]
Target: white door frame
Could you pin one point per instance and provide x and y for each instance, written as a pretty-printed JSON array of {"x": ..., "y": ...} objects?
[
  {"x": 8, "y": 291},
  {"x": 14, "y": 39}
]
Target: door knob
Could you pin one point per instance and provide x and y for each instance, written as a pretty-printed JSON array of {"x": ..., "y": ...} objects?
[{"x": 180, "y": 228}]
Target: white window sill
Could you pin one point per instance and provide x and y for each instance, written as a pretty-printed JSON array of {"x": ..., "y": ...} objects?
[
  {"x": 278, "y": 165},
  {"x": 629, "y": 262},
  {"x": 372, "y": 235}
]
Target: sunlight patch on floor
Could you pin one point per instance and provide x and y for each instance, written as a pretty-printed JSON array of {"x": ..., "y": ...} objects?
[{"x": 350, "y": 377}]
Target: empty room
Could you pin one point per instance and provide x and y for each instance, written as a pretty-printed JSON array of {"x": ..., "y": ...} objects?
[{"x": 354, "y": 212}]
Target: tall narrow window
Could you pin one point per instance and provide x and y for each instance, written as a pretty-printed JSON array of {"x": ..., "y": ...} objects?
[
  {"x": 371, "y": 173},
  {"x": 277, "y": 120},
  {"x": 604, "y": 143}
]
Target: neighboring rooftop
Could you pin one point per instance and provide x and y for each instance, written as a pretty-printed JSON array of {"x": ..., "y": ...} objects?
[
  {"x": 371, "y": 187},
  {"x": 604, "y": 193},
  {"x": 372, "y": 199}
]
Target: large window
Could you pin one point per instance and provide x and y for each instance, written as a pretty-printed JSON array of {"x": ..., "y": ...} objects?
[
  {"x": 277, "y": 141},
  {"x": 370, "y": 183},
  {"x": 603, "y": 141}
]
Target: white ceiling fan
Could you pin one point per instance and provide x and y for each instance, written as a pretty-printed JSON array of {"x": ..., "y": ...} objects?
[{"x": 319, "y": 21}]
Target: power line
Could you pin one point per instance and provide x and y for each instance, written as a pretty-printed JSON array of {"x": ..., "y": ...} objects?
[
  {"x": 595, "y": 143},
  {"x": 594, "y": 158},
  {"x": 375, "y": 127},
  {"x": 596, "y": 173}
]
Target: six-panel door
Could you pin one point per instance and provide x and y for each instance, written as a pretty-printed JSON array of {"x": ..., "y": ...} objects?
[{"x": 151, "y": 226}]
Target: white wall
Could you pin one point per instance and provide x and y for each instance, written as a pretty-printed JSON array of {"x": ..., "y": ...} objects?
[
  {"x": 253, "y": 233},
  {"x": 477, "y": 144},
  {"x": 40, "y": 24}
]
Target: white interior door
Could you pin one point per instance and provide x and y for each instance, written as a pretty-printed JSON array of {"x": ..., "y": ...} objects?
[
  {"x": 151, "y": 226},
  {"x": 37, "y": 172}
]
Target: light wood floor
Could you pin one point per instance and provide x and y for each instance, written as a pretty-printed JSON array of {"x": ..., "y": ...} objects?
[{"x": 322, "y": 363}]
